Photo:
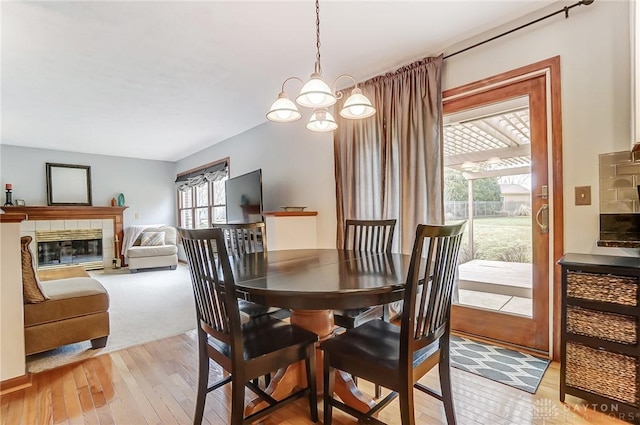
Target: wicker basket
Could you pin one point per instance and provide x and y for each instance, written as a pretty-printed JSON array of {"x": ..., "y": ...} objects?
[
  {"x": 599, "y": 324},
  {"x": 612, "y": 375},
  {"x": 603, "y": 287}
]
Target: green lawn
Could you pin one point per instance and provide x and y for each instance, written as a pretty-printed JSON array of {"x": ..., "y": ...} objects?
[{"x": 499, "y": 239}]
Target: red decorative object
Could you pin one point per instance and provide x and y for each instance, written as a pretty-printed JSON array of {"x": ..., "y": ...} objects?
[{"x": 8, "y": 186}]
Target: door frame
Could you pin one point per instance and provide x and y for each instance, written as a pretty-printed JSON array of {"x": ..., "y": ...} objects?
[{"x": 551, "y": 69}]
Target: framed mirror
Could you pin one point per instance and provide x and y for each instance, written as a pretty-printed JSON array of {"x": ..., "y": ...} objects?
[{"x": 68, "y": 184}]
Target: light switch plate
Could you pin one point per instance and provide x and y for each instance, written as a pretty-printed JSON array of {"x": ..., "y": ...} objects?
[{"x": 583, "y": 195}]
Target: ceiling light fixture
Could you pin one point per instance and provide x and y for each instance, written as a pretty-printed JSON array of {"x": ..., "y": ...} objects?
[
  {"x": 468, "y": 165},
  {"x": 316, "y": 94}
]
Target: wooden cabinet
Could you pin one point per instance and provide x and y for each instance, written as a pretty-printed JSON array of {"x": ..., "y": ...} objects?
[{"x": 600, "y": 353}]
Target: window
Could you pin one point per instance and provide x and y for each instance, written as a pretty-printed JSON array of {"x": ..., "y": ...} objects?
[{"x": 201, "y": 196}]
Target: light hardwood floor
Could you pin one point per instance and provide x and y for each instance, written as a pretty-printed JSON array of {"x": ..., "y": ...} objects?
[{"x": 155, "y": 383}]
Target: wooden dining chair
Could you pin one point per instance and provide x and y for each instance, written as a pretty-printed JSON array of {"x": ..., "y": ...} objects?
[
  {"x": 397, "y": 357},
  {"x": 247, "y": 350},
  {"x": 249, "y": 238},
  {"x": 368, "y": 236},
  {"x": 243, "y": 238}
]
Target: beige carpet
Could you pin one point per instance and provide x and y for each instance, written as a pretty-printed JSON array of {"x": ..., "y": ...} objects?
[{"x": 144, "y": 306}]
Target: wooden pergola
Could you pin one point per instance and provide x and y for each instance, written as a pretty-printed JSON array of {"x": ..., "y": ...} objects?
[{"x": 493, "y": 141}]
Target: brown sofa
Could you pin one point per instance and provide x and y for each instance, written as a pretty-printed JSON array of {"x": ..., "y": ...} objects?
[
  {"x": 61, "y": 306},
  {"x": 77, "y": 310}
]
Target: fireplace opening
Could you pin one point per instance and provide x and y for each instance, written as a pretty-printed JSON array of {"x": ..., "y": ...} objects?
[
  {"x": 70, "y": 248},
  {"x": 64, "y": 253}
]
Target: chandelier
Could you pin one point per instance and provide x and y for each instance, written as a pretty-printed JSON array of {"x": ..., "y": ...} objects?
[{"x": 316, "y": 94}]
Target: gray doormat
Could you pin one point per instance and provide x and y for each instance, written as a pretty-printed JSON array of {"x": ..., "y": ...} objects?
[{"x": 518, "y": 370}]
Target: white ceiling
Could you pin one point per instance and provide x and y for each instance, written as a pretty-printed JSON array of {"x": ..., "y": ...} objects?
[{"x": 163, "y": 80}]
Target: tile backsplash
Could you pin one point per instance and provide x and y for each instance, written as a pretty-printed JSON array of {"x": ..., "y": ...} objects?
[{"x": 619, "y": 180}]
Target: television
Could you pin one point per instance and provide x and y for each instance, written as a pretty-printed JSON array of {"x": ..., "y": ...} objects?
[{"x": 244, "y": 198}]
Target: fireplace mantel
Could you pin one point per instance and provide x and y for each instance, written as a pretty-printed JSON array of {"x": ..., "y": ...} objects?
[
  {"x": 72, "y": 213},
  {"x": 66, "y": 212}
]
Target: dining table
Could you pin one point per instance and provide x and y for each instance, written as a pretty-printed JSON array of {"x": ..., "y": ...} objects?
[{"x": 312, "y": 283}]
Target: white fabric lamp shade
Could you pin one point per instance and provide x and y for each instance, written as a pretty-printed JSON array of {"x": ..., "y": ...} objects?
[
  {"x": 315, "y": 93},
  {"x": 283, "y": 110},
  {"x": 357, "y": 106},
  {"x": 322, "y": 121}
]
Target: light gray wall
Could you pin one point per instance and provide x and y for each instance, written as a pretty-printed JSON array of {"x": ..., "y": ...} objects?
[
  {"x": 297, "y": 168},
  {"x": 594, "y": 49},
  {"x": 594, "y": 46},
  {"x": 147, "y": 185}
]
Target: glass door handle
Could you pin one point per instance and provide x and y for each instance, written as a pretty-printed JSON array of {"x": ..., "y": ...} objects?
[{"x": 543, "y": 213}]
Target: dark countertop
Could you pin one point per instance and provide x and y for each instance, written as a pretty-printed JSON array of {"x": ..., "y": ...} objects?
[{"x": 599, "y": 260}]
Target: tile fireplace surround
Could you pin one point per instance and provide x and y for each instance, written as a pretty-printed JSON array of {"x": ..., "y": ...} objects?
[{"x": 106, "y": 219}]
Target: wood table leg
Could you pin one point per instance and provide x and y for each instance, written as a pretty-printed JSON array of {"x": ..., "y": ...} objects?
[
  {"x": 282, "y": 384},
  {"x": 286, "y": 380},
  {"x": 349, "y": 393}
]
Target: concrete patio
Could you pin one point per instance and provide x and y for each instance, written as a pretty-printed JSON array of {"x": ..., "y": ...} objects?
[{"x": 497, "y": 285}]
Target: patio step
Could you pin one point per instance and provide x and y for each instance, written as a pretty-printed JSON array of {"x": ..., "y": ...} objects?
[
  {"x": 496, "y": 302},
  {"x": 496, "y": 277}
]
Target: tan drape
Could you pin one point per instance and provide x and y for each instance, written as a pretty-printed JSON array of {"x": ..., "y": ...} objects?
[{"x": 390, "y": 165}]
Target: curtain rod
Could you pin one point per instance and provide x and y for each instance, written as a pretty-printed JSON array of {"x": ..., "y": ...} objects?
[{"x": 566, "y": 16}]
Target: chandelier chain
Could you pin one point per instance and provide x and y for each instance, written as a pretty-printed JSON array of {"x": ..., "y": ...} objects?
[
  {"x": 317, "y": 94},
  {"x": 318, "y": 36}
]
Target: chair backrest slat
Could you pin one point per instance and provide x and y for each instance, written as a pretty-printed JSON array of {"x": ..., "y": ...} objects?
[
  {"x": 214, "y": 287},
  {"x": 369, "y": 235},
  {"x": 244, "y": 238},
  {"x": 437, "y": 295},
  {"x": 429, "y": 287}
]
